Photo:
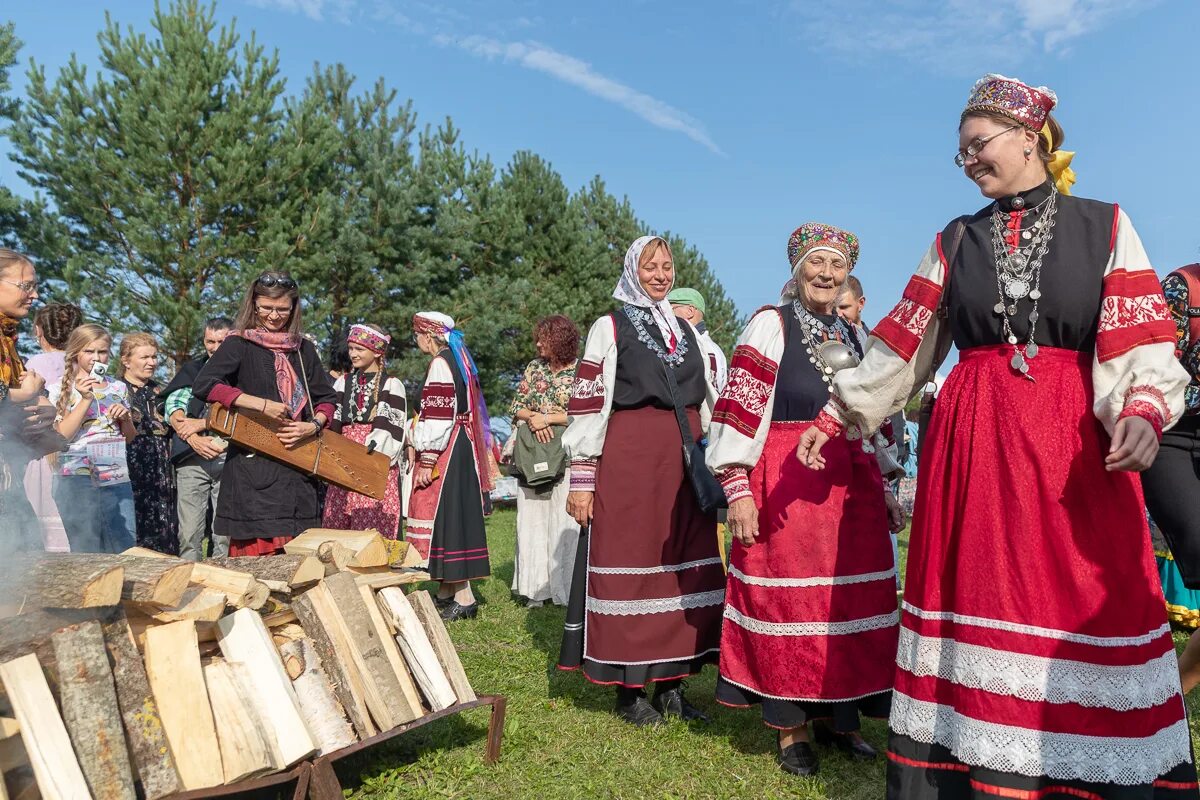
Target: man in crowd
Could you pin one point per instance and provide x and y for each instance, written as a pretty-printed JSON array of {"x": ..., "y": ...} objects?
[
  {"x": 689, "y": 304},
  {"x": 197, "y": 456},
  {"x": 850, "y": 305}
]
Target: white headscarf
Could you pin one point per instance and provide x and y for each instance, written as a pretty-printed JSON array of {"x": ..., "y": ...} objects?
[
  {"x": 433, "y": 322},
  {"x": 629, "y": 290}
]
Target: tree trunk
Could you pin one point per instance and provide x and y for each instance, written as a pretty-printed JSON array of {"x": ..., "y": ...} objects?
[
  {"x": 61, "y": 580},
  {"x": 316, "y": 612},
  {"x": 298, "y": 570}
]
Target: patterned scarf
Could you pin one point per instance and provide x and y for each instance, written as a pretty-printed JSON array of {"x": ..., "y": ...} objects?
[
  {"x": 290, "y": 390},
  {"x": 629, "y": 290},
  {"x": 11, "y": 368}
]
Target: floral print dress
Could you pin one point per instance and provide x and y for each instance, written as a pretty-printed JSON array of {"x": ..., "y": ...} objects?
[
  {"x": 150, "y": 473},
  {"x": 543, "y": 390}
]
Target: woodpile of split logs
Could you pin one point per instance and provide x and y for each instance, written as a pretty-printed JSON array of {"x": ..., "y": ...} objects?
[{"x": 142, "y": 670}]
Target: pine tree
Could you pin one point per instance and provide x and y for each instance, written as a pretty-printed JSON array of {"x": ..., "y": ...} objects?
[{"x": 161, "y": 166}]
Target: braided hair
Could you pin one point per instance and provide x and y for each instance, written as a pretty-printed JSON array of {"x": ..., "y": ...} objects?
[
  {"x": 80, "y": 338},
  {"x": 56, "y": 321}
]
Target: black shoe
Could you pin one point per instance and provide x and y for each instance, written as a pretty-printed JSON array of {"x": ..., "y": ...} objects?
[
  {"x": 672, "y": 703},
  {"x": 799, "y": 759},
  {"x": 456, "y": 611},
  {"x": 442, "y": 602},
  {"x": 853, "y": 746},
  {"x": 639, "y": 713}
]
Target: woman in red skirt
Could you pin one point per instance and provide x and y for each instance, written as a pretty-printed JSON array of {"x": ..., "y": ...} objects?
[
  {"x": 810, "y": 611},
  {"x": 646, "y": 598},
  {"x": 371, "y": 411},
  {"x": 1035, "y": 657}
]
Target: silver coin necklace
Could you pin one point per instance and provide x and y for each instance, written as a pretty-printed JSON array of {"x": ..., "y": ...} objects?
[{"x": 1019, "y": 275}]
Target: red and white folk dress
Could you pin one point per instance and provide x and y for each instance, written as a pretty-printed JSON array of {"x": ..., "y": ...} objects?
[
  {"x": 446, "y": 518},
  {"x": 371, "y": 411},
  {"x": 1035, "y": 658},
  {"x": 810, "y": 613}
]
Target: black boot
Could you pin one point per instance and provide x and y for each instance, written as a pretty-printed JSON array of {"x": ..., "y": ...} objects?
[
  {"x": 456, "y": 611},
  {"x": 634, "y": 708},
  {"x": 851, "y": 745},
  {"x": 670, "y": 702},
  {"x": 799, "y": 758}
]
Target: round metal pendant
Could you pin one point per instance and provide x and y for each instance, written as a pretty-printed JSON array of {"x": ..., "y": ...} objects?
[
  {"x": 998, "y": 308},
  {"x": 1016, "y": 289},
  {"x": 1012, "y": 339},
  {"x": 1031, "y": 350},
  {"x": 1018, "y": 362},
  {"x": 1018, "y": 202},
  {"x": 1036, "y": 294},
  {"x": 1027, "y": 235},
  {"x": 837, "y": 355}
]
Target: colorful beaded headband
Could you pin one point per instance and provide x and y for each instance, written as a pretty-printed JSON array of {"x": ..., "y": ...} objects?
[
  {"x": 369, "y": 338},
  {"x": 813, "y": 235},
  {"x": 1018, "y": 101}
]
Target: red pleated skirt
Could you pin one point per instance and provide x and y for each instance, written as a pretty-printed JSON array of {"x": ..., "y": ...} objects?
[
  {"x": 351, "y": 511},
  {"x": 811, "y": 608},
  {"x": 1034, "y": 642}
]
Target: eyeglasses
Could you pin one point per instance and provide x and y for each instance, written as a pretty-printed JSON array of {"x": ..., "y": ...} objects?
[
  {"x": 272, "y": 312},
  {"x": 974, "y": 148},
  {"x": 26, "y": 287},
  {"x": 273, "y": 279}
]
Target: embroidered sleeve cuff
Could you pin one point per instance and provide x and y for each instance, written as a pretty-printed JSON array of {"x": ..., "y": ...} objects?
[
  {"x": 1147, "y": 411},
  {"x": 583, "y": 475},
  {"x": 224, "y": 394},
  {"x": 736, "y": 483},
  {"x": 429, "y": 458},
  {"x": 829, "y": 424}
]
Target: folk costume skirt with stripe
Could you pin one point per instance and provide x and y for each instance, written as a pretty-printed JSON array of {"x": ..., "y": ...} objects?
[
  {"x": 650, "y": 594},
  {"x": 810, "y": 616},
  {"x": 1035, "y": 658},
  {"x": 446, "y": 518}
]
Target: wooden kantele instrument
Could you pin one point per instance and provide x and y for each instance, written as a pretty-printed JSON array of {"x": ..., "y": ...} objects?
[{"x": 329, "y": 456}]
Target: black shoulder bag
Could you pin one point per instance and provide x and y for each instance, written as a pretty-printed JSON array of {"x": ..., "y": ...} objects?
[{"x": 709, "y": 493}]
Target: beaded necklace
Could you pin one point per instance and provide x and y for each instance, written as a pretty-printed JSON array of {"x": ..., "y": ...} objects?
[{"x": 639, "y": 317}]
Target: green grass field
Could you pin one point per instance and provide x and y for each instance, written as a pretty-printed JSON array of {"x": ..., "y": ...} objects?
[{"x": 560, "y": 740}]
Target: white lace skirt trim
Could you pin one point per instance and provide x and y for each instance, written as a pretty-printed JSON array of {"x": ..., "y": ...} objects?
[
  {"x": 1034, "y": 630},
  {"x": 1040, "y": 679},
  {"x": 802, "y": 583},
  {"x": 1126, "y": 761},
  {"x": 656, "y": 605},
  {"x": 703, "y": 562},
  {"x": 810, "y": 628}
]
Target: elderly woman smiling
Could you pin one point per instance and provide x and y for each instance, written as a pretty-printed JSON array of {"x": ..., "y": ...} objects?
[
  {"x": 652, "y": 571},
  {"x": 810, "y": 617}
]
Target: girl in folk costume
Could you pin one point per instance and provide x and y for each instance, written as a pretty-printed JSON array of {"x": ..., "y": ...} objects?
[
  {"x": 646, "y": 599},
  {"x": 810, "y": 630},
  {"x": 267, "y": 365},
  {"x": 1051, "y": 682},
  {"x": 371, "y": 411},
  {"x": 452, "y": 476},
  {"x": 1172, "y": 484}
]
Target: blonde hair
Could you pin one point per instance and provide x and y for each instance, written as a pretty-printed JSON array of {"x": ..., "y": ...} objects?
[
  {"x": 651, "y": 249},
  {"x": 131, "y": 342},
  {"x": 12, "y": 258},
  {"x": 80, "y": 338}
]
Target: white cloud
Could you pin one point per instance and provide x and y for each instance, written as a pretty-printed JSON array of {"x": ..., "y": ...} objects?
[
  {"x": 317, "y": 10},
  {"x": 956, "y": 35},
  {"x": 580, "y": 74}
]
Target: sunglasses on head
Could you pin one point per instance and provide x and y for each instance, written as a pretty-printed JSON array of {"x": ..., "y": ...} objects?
[{"x": 273, "y": 279}]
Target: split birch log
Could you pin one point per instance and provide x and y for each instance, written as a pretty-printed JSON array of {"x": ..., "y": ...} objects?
[
  {"x": 386, "y": 699},
  {"x": 90, "y": 710},
  {"x": 387, "y": 639},
  {"x": 323, "y": 714},
  {"x": 435, "y": 629},
  {"x": 198, "y": 603},
  {"x": 42, "y": 731},
  {"x": 241, "y": 733},
  {"x": 367, "y": 547},
  {"x": 294, "y": 570},
  {"x": 61, "y": 580},
  {"x": 241, "y": 589},
  {"x": 417, "y": 649},
  {"x": 246, "y": 643},
  {"x": 391, "y": 577},
  {"x": 148, "y": 748},
  {"x": 173, "y": 667},
  {"x": 319, "y": 617}
]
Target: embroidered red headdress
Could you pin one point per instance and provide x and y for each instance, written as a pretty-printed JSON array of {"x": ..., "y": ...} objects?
[
  {"x": 1018, "y": 101},
  {"x": 369, "y": 338},
  {"x": 819, "y": 236}
]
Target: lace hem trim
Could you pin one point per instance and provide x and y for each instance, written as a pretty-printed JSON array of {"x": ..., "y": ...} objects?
[
  {"x": 848, "y": 627},
  {"x": 703, "y": 562},
  {"x": 801, "y": 583},
  {"x": 1034, "y": 630},
  {"x": 760, "y": 693},
  {"x": 1126, "y": 761},
  {"x": 1037, "y": 678},
  {"x": 656, "y": 605}
]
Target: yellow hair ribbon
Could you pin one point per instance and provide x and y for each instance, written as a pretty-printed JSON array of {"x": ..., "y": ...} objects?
[{"x": 1060, "y": 163}]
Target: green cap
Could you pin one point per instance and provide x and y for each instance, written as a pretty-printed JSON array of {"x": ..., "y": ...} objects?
[{"x": 687, "y": 297}]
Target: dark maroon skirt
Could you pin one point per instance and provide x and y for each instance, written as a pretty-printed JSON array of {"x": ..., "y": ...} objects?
[{"x": 646, "y": 601}]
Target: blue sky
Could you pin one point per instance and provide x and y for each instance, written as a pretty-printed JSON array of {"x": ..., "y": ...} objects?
[{"x": 731, "y": 123}]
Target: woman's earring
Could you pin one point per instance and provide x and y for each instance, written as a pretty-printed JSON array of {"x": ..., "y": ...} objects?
[{"x": 1028, "y": 152}]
